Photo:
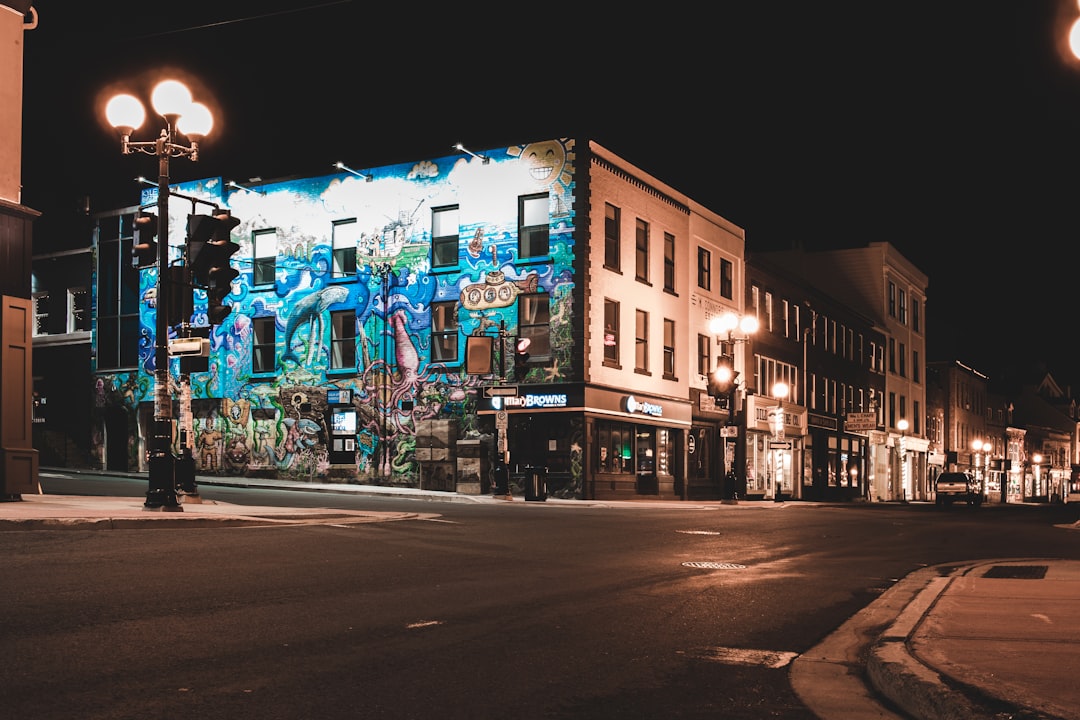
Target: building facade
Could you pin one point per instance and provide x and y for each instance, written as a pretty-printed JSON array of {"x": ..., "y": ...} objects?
[{"x": 360, "y": 295}]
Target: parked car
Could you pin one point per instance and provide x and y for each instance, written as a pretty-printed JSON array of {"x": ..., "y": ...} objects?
[{"x": 958, "y": 486}]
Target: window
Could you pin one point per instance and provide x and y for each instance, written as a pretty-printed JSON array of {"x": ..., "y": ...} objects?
[
  {"x": 343, "y": 340},
  {"x": 612, "y": 218},
  {"x": 727, "y": 278},
  {"x": 264, "y": 342},
  {"x": 345, "y": 234},
  {"x": 892, "y": 299},
  {"x": 769, "y": 311},
  {"x": 444, "y": 236},
  {"x": 611, "y": 332},
  {"x": 915, "y": 315},
  {"x": 703, "y": 355},
  {"x": 41, "y": 313},
  {"x": 641, "y": 341},
  {"x": 264, "y": 257},
  {"x": 669, "y": 262},
  {"x": 118, "y": 326},
  {"x": 902, "y": 312},
  {"x": 704, "y": 269},
  {"x": 641, "y": 250},
  {"x": 915, "y": 417},
  {"x": 902, "y": 360},
  {"x": 534, "y": 318},
  {"x": 915, "y": 366},
  {"x": 78, "y": 316},
  {"x": 892, "y": 355},
  {"x": 669, "y": 349},
  {"x": 533, "y": 225},
  {"x": 444, "y": 332}
]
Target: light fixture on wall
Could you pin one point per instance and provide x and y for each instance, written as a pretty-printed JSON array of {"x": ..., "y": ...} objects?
[
  {"x": 342, "y": 166},
  {"x": 483, "y": 158}
]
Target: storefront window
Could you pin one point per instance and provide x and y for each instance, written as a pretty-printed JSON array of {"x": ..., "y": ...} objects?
[{"x": 615, "y": 448}]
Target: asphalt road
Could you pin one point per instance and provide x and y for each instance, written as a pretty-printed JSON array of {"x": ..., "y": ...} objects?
[{"x": 524, "y": 610}]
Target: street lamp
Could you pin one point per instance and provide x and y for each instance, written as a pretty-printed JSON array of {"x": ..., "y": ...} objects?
[
  {"x": 724, "y": 383},
  {"x": 902, "y": 426},
  {"x": 780, "y": 391},
  {"x": 984, "y": 447},
  {"x": 1036, "y": 463},
  {"x": 171, "y": 100}
]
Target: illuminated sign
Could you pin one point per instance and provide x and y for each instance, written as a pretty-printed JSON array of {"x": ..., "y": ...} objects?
[
  {"x": 530, "y": 400},
  {"x": 633, "y": 405}
]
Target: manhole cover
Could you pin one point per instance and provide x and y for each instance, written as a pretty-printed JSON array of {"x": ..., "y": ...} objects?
[
  {"x": 1017, "y": 572},
  {"x": 708, "y": 565}
]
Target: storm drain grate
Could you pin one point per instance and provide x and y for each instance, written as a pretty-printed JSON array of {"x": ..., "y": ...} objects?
[
  {"x": 708, "y": 565},
  {"x": 1017, "y": 572}
]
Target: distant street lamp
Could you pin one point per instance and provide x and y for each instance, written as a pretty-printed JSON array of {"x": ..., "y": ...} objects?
[
  {"x": 902, "y": 426},
  {"x": 985, "y": 447},
  {"x": 780, "y": 391},
  {"x": 171, "y": 100},
  {"x": 723, "y": 383}
]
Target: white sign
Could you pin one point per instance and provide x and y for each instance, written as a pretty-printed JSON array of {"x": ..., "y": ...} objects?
[
  {"x": 501, "y": 420},
  {"x": 860, "y": 421}
]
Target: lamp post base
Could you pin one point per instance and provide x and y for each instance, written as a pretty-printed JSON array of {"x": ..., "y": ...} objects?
[{"x": 161, "y": 494}]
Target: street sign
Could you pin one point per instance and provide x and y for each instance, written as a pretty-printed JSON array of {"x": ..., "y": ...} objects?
[
  {"x": 501, "y": 420},
  {"x": 780, "y": 446},
  {"x": 189, "y": 346},
  {"x": 501, "y": 391}
]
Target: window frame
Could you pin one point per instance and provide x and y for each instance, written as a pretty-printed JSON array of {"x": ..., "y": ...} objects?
[
  {"x": 264, "y": 345},
  {"x": 538, "y": 327},
  {"x": 612, "y": 237},
  {"x": 534, "y": 239},
  {"x": 444, "y": 243},
  {"x": 669, "y": 349},
  {"x": 611, "y": 325},
  {"x": 641, "y": 250},
  {"x": 342, "y": 344},
  {"x": 444, "y": 325},
  {"x": 641, "y": 341},
  {"x": 669, "y": 263},
  {"x": 343, "y": 250},
  {"x": 264, "y": 264},
  {"x": 704, "y": 269}
]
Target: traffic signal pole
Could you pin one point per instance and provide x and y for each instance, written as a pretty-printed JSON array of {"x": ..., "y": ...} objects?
[{"x": 161, "y": 491}]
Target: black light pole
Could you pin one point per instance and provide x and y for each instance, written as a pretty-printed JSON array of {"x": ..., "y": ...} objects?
[
  {"x": 723, "y": 328},
  {"x": 172, "y": 101}
]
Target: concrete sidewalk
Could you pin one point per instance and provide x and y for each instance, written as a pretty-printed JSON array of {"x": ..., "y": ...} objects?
[{"x": 993, "y": 639}]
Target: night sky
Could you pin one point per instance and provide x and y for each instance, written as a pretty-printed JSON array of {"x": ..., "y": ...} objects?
[{"x": 949, "y": 128}]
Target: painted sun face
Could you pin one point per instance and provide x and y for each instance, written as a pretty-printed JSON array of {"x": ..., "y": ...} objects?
[{"x": 546, "y": 160}]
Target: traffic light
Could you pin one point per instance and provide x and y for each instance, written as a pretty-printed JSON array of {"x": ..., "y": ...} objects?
[
  {"x": 722, "y": 378},
  {"x": 216, "y": 312},
  {"x": 521, "y": 358},
  {"x": 209, "y": 248},
  {"x": 144, "y": 251}
]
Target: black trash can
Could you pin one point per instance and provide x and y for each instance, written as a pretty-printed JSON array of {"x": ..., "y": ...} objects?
[{"x": 535, "y": 485}]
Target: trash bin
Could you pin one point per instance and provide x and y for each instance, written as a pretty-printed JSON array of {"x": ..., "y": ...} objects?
[{"x": 535, "y": 486}]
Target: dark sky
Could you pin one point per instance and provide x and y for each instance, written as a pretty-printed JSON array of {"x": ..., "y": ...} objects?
[{"x": 950, "y": 128}]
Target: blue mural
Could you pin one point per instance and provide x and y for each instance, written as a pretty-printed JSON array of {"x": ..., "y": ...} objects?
[{"x": 276, "y": 422}]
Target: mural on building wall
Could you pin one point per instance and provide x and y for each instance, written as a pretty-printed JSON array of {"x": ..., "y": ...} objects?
[{"x": 248, "y": 422}]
